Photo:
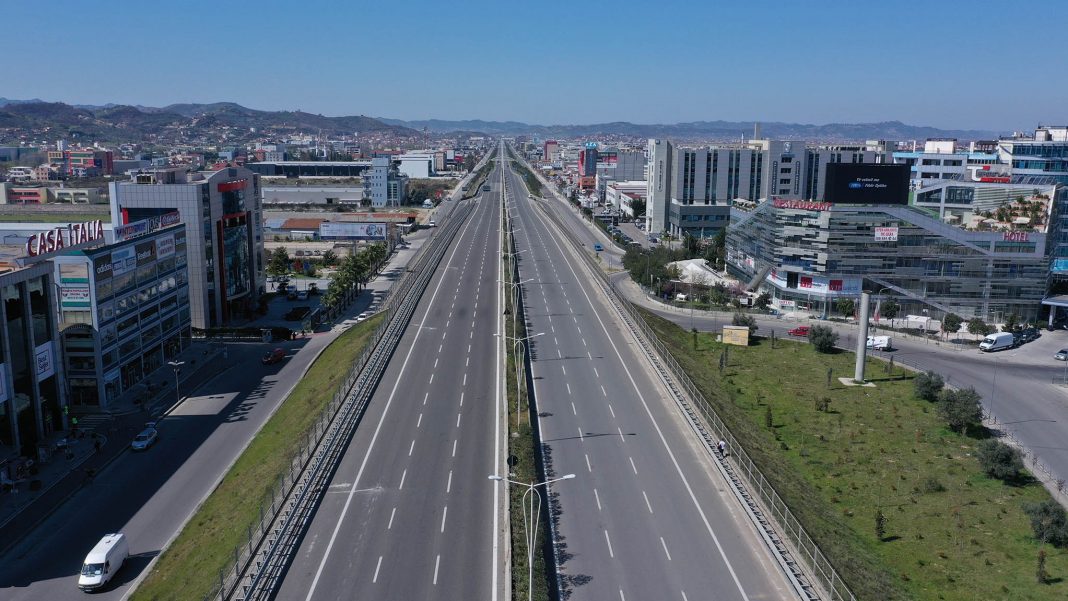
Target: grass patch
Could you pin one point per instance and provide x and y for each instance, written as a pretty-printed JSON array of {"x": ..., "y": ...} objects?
[
  {"x": 950, "y": 532},
  {"x": 190, "y": 567}
]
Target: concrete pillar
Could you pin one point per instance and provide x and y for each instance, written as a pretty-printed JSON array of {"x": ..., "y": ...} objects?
[{"x": 862, "y": 337}]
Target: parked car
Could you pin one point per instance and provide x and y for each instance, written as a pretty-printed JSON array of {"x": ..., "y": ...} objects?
[
  {"x": 145, "y": 439},
  {"x": 1062, "y": 355},
  {"x": 302, "y": 295},
  {"x": 1029, "y": 335},
  {"x": 273, "y": 356},
  {"x": 799, "y": 331},
  {"x": 598, "y": 247}
]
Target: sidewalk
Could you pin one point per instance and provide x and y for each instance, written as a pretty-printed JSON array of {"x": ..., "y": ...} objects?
[{"x": 99, "y": 439}]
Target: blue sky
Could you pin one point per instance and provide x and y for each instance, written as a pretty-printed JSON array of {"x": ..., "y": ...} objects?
[{"x": 983, "y": 65}]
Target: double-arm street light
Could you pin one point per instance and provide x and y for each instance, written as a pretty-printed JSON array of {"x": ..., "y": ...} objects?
[
  {"x": 177, "y": 367},
  {"x": 530, "y": 520},
  {"x": 518, "y": 367}
]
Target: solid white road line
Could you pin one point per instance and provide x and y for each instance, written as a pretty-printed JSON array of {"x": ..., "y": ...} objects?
[{"x": 377, "y": 567}]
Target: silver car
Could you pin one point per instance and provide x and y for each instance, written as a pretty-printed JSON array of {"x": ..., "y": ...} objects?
[
  {"x": 145, "y": 439},
  {"x": 1062, "y": 355}
]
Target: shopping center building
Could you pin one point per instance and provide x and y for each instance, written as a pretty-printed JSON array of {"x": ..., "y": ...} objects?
[
  {"x": 124, "y": 309},
  {"x": 808, "y": 254}
]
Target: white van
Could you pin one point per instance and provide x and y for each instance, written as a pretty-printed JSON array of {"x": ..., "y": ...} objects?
[
  {"x": 996, "y": 342},
  {"x": 880, "y": 343},
  {"x": 103, "y": 561}
]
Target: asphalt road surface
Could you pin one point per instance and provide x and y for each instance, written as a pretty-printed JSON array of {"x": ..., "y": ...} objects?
[
  {"x": 410, "y": 513},
  {"x": 648, "y": 515}
]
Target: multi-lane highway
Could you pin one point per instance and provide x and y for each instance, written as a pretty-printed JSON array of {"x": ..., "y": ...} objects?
[
  {"x": 410, "y": 513},
  {"x": 648, "y": 516}
]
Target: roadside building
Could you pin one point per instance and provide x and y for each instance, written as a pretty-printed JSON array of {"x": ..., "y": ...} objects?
[
  {"x": 384, "y": 184},
  {"x": 79, "y": 195},
  {"x": 124, "y": 310},
  {"x": 223, "y": 217},
  {"x": 24, "y": 195},
  {"x": 33, "y": 397}
]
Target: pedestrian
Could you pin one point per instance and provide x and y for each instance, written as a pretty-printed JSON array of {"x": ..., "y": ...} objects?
[
  {"x": 722, "y": 446},
  {"x": 97, "y": 444}
]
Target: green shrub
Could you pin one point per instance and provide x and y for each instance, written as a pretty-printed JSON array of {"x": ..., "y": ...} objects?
[
  {"x": 999, "y": 460},
  {"x": 822, "y": 338}
]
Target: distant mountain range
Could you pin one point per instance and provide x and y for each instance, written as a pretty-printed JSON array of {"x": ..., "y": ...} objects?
[
  {"x": 708, "y": 130},
  {"x": 173, "y": 123}
]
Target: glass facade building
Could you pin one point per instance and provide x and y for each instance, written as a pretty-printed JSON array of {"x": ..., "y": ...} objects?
[
  {"x": 124, "y": 312},
  {"x": 808, "y": 254}
]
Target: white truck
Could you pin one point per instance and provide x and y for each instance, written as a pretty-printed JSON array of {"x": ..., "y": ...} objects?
[
  {"x": 880, "y": 343},
  {"x": 996, "y": 342},
  {"x": 103, "y": 561}
]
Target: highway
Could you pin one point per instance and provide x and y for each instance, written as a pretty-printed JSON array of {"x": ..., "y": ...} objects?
[
  {"x": 409, "y": 513},
  {"x": 648, "y": 515}
]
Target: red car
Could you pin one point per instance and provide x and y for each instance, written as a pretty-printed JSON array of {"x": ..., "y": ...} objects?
[
  {"x": 799, "y": 331},
  {"x": 274, "y": 356}
]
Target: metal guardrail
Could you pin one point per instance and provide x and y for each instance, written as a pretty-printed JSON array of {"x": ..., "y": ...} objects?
[
  {"x": 744, "y": 471},
  {"x": 259, "y": 564}
]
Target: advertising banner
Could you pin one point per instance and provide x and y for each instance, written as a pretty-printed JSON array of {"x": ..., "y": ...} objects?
[
  {"x": 146, "y": 253},
  {"x": 102, "y": 267},
  {"x": 352, "y": 231},
  {"x": 45, "y": 360},
  {"x": 123, "y": 261},
  {"x": 74, "y": 297},
  {"x": 164, "y": 247},
  {"x": 817, "y": 285},
  {"x": 867, "y": 183},
  {"x": 886, "y": 234}
]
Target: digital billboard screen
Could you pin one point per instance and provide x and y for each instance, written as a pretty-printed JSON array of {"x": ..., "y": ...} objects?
[{"x": 867, "y": 184}]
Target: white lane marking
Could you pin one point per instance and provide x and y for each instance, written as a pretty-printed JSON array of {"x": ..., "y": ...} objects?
[
  {"x": 461, "y": 398},
  {"x": 437, "y": 563},
  {"x": 665, "y": 548},
  {"x": 647, "y": 504},
  {"x": 580, "y": 435},
  {"x": 431, "y": 379},
  {"x": 603, "y": 391},
  {"x": 447, "y": 322},
  {"x": 573, "y": 410},
  {"x": 621, "y": 597},
  {"x": 403, "y": 475},
  {"x": 609, "y": 541},
  {"x": 392, "y": 514},
  {"x": 468, "y": 362},
  {"x": 595, "y": 373},
  {"x": 377, "y": 567},
  {"x": 471, "y": 337},
  {"x": 444, "y": 513},
  {"x": 411, "y": 448},
  {"x": 555, "y": 341},
  {"x": 568, "y": 387},
  {"x": 440, "y": 346},
  {"x": 589, "y": 468},
  {"x": 584, "y": 342},
  {"x": 589, "y": 356},
  {"x": 612, "y": 411},
  {"x": 458, "y": 419},
  {"x": 448, "y": 485},
  {"x": 559, "y": 355},
  {"x": 598, "y": 498},
  {"x": 684, "y": 596},
  {"x": 473, "y": 314},
  {"x": 465, "y": 379},
  {"x": 564, "y": 369},
  {"x": 621, "y": 439},
  {"x": 425, "y": 397},
  {"x": 469, "y": 348},
  {"x": 419, "y": 422},
  {"x": 435, "y": 367},
  {"x": 454, "y": 448}
]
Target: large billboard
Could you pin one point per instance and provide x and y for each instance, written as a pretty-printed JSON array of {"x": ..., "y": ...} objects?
[
  {"x": 352, "y": 231},
  {"x": 867, "y": 184}
]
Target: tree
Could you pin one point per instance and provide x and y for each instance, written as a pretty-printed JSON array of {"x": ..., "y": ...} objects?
[
  {"x": 691, "y": 244},
  {"x": 951, "y": 323},
  {"x": 1012, "y": 323},
  {"x": 637, "y": 206},
  {"x": 880, "y": 524},
  {"x": 469, "y": 162},
  {"x": 716, "y": 251},
  {"x": 1048, "y": 522},
  {"x": 329, "y": 258},
  {"x": 960, "y": 409},
  {"x": 977, "y": 327},
  {"x": 822, "y": 338},
  {"x": 741, "y": 319},
  {"x": 999, "y": 460},
  {"x": 278, "y": 264},
  {"x": 889, "y": 310},
  {"x": 845, "y": 306},
  {"x": 763, "y": 301},
  {"x": 928, "y": 386}
]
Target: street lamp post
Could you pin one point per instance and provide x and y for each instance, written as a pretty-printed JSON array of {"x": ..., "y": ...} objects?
[
  {"x": 530, "y": 520},
  {"x": 518, "y": 366},
  {"x": 177, "y": 366}
]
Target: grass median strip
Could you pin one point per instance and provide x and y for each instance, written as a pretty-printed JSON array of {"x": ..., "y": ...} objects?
[
  {"x": 190, "y": 567},
  {"x": 896, "y": 500}
]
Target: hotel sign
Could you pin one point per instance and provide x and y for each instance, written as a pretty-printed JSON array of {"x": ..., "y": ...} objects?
[
  {"x": 804, "y": 205},
  {"x": 61, "y": 237},
  {"x": 886, "y": 234},
  {"x": 1016, "y": 236}
]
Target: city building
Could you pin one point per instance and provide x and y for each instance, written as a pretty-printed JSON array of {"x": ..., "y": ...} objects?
[
  {"x": 11, "y": 194},
  {"x": 315, "y": 195},
  {"x": 384, "y": 184},
  {"x": 82, "y": 162},
  {"x": 10, "y": 154},
  {"x": 808, "y": 253},
  {"x": 310, "y": 168},
  {"x": 33, "y": 397},
  {"x": 550, "y": 151},
  {"x": 223, "y": 216},
  {"x": 621, "y": 195},
  {"x": 21, "y": 174},
  {"x": 417, "y": 164},
  {"x": 124, "y": 309},
  {"x": 79, "y": 195},
  {"x": 1044, "y": 153}
]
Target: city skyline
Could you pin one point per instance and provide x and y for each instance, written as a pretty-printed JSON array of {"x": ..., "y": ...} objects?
[{"x": 578, "y": 65}]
